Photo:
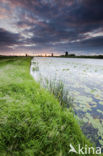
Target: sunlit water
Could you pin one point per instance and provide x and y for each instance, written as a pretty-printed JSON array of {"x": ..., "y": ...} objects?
[{"x": 84, "y": 80}]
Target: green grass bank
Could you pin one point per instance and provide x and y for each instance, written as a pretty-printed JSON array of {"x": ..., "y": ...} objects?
[{"x": 32, "y": 122}]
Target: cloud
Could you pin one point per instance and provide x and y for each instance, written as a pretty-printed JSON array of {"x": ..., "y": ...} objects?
[
  {"x": 8, "y": 40},
  {"x": 53, "y": 24},
  {"x": 94, "y": 42}
]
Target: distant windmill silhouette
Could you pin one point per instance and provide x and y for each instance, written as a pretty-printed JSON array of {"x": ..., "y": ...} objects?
[
  {"x": 66, "y": 53},
  {"x": 52, "y": 55}
]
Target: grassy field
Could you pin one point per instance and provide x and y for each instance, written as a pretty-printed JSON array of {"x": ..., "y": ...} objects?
[{"x": 32, "y": 122}]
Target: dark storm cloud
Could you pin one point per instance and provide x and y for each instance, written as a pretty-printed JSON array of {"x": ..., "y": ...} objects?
[
  {"x": 8, "y": 38},
  {"x": 87, "y": 12},
  {"x": 58, "y": 24},
  {"x": 95, "y": 42}
]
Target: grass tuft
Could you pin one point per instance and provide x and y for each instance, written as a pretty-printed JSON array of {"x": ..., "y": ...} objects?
[{"x": 60, "y": 92}]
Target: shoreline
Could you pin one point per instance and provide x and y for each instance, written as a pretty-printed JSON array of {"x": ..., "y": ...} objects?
[{"x": 36, "y": 122}]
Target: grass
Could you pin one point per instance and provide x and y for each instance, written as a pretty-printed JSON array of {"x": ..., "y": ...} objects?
[
  {"x": 32, "y": 122},
  {"x": 60, "y": 92}
]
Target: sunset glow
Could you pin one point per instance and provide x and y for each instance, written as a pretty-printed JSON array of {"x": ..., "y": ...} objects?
[{"x": 39, "y": 27}]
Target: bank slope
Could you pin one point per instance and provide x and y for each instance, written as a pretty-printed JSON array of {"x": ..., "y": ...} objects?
[{"x": 32, "y": 121}]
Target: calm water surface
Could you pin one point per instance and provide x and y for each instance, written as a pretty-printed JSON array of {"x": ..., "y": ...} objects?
[{"x": 84, "y": 80}]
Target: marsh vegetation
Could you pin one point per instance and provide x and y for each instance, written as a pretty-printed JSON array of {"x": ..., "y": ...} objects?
[{"x": 32, "y": 121}]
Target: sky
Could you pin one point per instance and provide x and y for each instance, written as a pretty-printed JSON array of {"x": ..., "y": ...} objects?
[{"x": 46, "y": 26}]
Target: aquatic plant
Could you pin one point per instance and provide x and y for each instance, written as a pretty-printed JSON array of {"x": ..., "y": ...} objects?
[
  {"x": 58, "y": 89},
  {"x": 35, "y": 68},
  {"x": 83, "y": 83}
]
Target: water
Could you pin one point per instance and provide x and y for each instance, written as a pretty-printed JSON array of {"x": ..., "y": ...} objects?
[{"x": 84, "y": 80}]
